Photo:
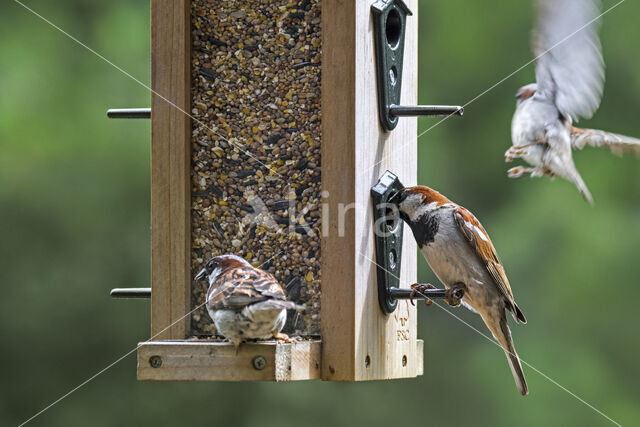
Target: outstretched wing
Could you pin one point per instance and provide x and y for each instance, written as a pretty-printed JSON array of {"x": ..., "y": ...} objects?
[
  {"x": 480, "y": 241},
  {"x": 597, "y": 138},
  {"x": 238, "y": 287},
  {"x": 569, "y": 64}
]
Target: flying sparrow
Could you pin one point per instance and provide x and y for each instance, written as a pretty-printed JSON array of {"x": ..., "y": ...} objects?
[
  {"x": 569, "y": 84},
  {"x": 460, "y": 253},
  {"x": 244, "y": 302}
]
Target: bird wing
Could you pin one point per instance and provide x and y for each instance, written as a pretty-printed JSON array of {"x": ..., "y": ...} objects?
[
  {"x": 241, "y": 286},
  {"x": 569, "y": 64},
  {"x": 598, "y": 138},
  {"x": 478, "y": 238}
]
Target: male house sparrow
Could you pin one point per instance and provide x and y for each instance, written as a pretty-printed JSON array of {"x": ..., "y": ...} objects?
[
  {"x": 244, "y": 302},
  {"x": 569, "y": 83},
  {"x": 462, "y": 256}
]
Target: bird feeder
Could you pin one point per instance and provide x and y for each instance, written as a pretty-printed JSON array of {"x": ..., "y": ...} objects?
[{"x": 271, "y": 121}]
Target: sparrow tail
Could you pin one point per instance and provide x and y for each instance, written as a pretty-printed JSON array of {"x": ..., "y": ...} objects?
[
  {"x": 582, "y": 187},
  {"x": 512, "y": 357},
  {"x": 502, "y": 334},
  {"x": 618, "y": 144},
  {"x": 276, "y": 303}
]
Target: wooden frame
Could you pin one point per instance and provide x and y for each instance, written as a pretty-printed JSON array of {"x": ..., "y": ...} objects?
[
  {"x": 359, "y": 342},
  {"x": 170, "y": 166},
  {"x": 217, "y": 361}
]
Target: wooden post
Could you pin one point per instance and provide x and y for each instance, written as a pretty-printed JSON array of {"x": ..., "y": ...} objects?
[
  {"x": 170, "y": 167},
  {"x": 359, "y": 341}
]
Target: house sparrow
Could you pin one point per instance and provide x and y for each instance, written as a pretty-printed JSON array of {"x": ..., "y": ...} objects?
[
  {"x": 462, "y": 256},
  {"x": 569, "y": 84},
  {"x": 244, "y": 302}
]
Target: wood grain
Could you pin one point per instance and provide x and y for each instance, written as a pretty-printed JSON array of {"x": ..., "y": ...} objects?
[
  {"x": 170, "y": 168},
  {"x": 359, "y": 341},
  {"x": 217, "y": 361},
  {"x": 338, "y": 182}
]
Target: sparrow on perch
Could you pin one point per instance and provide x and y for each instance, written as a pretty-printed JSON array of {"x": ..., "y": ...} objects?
[
  {"x": 569, "y": 84},
  {"x": 244, "y": 302},
  {"x": 460, "y": 253}
]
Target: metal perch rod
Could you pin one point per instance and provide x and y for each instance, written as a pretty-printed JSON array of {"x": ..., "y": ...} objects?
[
  {"x": 425, "y": 110},
  {"x": 129, "y": 113},
  {"x": 131, "y": 293},
  {"x": 398, "y": 293},
  {"x": 451, "y": 296}
]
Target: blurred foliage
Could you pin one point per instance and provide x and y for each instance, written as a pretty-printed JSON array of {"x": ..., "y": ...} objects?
[{"x": 74, "y": 222}]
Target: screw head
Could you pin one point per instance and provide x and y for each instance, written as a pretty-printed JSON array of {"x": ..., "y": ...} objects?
[
  {"x": 155, "y": 361},
  {"x": 259, "y": 363}
]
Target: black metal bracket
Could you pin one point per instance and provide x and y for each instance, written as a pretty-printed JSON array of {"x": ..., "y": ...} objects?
[
  {"x": 131, "y": 293},
  {"x": 388, "y": 229},
  {"x": 129, "y": 113},
  {"x": 388, "y": 236},
  {"x": 389, "y": 21}
]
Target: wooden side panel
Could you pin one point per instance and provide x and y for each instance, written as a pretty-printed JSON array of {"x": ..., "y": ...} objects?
[
  {"x": 389, "y": 341},
  {"x": 170, "y": 162},
  {"x": 338, "y": 186},
  {"x": 359, "y": 341},
  {"x": 217, "y": 361}
]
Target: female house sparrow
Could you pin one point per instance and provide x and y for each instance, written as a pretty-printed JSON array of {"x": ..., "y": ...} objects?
[
  {"x": 462, "y": 256},
  {"x": 569, "y": 83},
  {"x": 244, "y": 302}
]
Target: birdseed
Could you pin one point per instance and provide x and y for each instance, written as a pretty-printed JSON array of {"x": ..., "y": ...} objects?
[{"x": 255, "y": 146}]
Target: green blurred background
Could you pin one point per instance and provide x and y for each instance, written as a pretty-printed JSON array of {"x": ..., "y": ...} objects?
[{"x": 74, "y": 222}]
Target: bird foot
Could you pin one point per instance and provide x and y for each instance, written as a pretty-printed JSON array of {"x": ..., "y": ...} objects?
[
  {"x": 518, "y": 172},
  {"x": 236, "y": 345},
  {"x": 284, "y": 338},
  {"x": 454, "y": 296},
  {"x": 420, "y": 288},
  {"x": 514, "y": 153},
  {"x": 519, "y": 151}
]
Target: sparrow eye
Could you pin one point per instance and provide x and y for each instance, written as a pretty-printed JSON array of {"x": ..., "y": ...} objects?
[{"x": 211, "y": 265}]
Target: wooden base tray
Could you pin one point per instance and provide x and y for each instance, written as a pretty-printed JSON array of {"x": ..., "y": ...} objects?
[
  {"x": 206, "y": 360},
  {"x": 217, "y": 361}
]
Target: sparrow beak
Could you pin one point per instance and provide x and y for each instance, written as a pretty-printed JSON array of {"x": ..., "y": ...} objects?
[{"x": 201, "y": 275}]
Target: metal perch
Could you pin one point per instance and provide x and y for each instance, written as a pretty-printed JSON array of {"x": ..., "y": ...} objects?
[
  {"x": 131, "y": 293},
  {"x": 129, "y": 113},
  {"x": 427, "y": 292}
]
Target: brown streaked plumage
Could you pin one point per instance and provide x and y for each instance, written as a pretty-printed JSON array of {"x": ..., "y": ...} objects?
[
  {"x": 237, "y": 286},
  {"x": 244, "y": 302},
  {"x": 462, "y": 256},
  {"x": 618, "y": 144},
  {"x": 428, "y": 195},
  {"x": 487, "y": 254}
]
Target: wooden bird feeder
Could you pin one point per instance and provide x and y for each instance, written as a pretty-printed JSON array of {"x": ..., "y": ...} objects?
[{"x": 267, "y": 136}]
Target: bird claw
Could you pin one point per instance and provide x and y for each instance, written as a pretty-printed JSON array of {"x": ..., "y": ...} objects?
[
  {"x": 519, "y": 151},
  {"x": 284, "y": 338},
  {"x": 513, "y": 153},
  {"x": 516, "y": 172},
  {"x": 420, "y": 288},
  {"x": 454, "y": 296}
]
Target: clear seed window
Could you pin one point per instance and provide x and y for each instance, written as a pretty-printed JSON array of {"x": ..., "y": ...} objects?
[{"x": 255, "y": 146}]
